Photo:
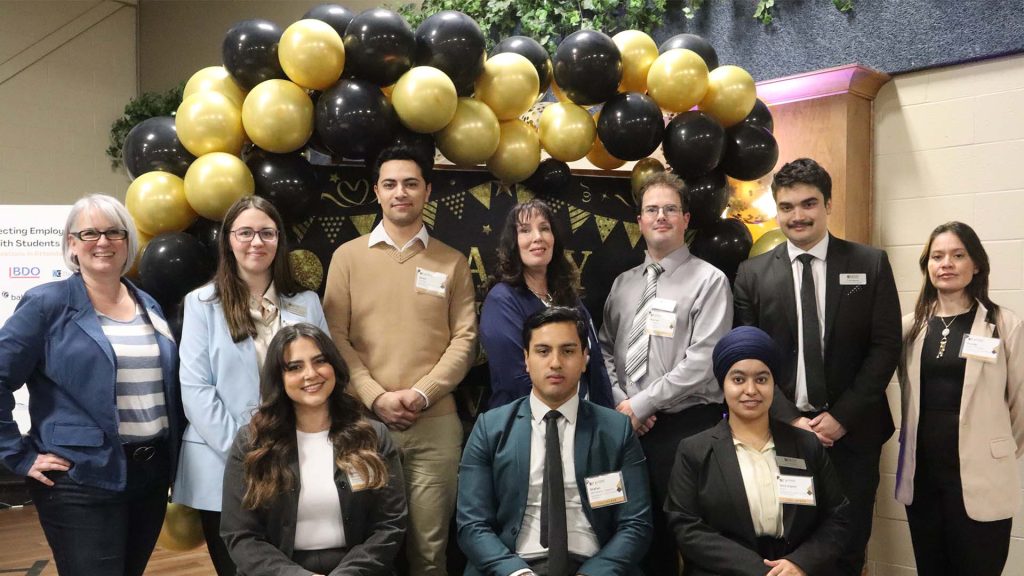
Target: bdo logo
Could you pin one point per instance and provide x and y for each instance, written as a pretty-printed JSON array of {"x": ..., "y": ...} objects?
[{"x": 23, "y": 272}]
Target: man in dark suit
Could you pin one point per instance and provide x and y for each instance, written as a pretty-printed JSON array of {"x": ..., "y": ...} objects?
[
  {"x": 597, "y": 519},
  {"x": 832, "y": 307}
]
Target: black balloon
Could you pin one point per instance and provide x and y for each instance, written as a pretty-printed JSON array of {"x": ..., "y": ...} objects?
[
  {"x": 422, "y": 144},
  {"x": 631, "y": 126},
  {"x": 354, "y": 119},
  {"x": 286, "y": 180},
  {"x": 724, "y": 244},
  {"x": 173, "y": 265},
  {"x": 153, "y": 145},
  {"x": 250, "y": 52},
  {"x": 532, "y": 51},
  {"x": 337, "y": 16},
  {"x": 552, "y": 177},
  {"x": 174, "y": 313},
  {"x": 706, "y": 197},
  {"x": 453, "y": 43},
  {"x": 379, "y": 46},
  {"x": 760, "y": 116},
  {"x": 208, "y": 233},
  {"x": 750, "y": 152},
  {"x": 693, "y": 42},
  {"x": 694, "y": 144},
  {"x": 588, "y": 67}
]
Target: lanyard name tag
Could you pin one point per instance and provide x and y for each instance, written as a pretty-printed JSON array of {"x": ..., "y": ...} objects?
[
  {"x": 297, "y": 309},
  {"x": 432, "y": 283},
  {"x": 605, "y": 489},
  {"x": 853, "y": 279},
  {"x": 787, "y": 462},
  {"x": 660, "y": 323},
  {"x": 797, "y": 490},
  {"x": 980, "y": 348}
]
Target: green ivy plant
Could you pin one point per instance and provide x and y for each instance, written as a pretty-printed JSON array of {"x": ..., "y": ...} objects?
[
  {"x": 145, "y": 106},
  {"x": 764, "y": 11}
]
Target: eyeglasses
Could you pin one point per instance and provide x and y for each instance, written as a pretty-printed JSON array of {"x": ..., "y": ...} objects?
[
  {"x": 93, "y": 235},
  {"x": 248, "y": 234},
  {"x": 670, "y": 210}
]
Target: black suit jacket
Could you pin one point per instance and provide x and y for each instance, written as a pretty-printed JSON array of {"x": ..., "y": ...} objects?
[
  {"x": 263, "y": 541},
  {"x": 862, "y": 334},
  {"x": 707, "y": 506}
]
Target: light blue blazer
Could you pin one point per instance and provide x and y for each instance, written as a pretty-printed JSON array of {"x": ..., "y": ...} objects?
[{"x": 220, "y": 388}]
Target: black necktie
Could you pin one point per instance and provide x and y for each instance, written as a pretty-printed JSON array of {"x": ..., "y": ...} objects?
[
  {"x": 553, "y": 533},
  {"x": 814, "y": 362}
]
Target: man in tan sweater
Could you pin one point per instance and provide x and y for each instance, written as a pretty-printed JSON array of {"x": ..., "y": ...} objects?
[{"x": 400, "y": 306}]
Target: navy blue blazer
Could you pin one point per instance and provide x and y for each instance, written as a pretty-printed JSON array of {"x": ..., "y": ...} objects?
[
  {"x": 494, "y": 477},
  {"x": 54, "y": 344}
]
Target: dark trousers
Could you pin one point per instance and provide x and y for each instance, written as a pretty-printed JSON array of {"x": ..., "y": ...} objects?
[
  {"x": 947, "y": 542},
  {"x": 222, "y": 562},
  {"x": 320, "y": 561},
  {"x": 540, "y": 565},
  {"x": 858, "y": 473},
  {"x": 97, "y": 532},
  {"x": 660, "y": 449}
]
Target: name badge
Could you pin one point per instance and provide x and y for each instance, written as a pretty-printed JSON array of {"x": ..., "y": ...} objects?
[
  {"x": 980, "y": 348},
  {"x": 797, "y": 490},
  {"x": 665, "y": 304},
  {"x": 853, "y": 279},
  {"x": 356, "y": 481},
  {"x": 661, "y": 323},
  {"x": 787, "y": 462},
  {"x": 605, "y": 489},
  {"x": 297, "y": 309},
  {"x": 432, "y": 283}
]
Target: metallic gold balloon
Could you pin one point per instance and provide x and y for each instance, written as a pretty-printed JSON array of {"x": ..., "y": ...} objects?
[
  {"x": 767, "y": 241},
  {"x": 638, "y": 53},
  {"x": 678, "y": 80},
  {"x": 508, "y": 85},
  {"x": 518, "y": 153},
  {"x": 731, "y": 95},
  {"x": 215, "y": 79},
  {"x": 157, "y": 203},
  {"x": 425, "y": 99},
  {"x": 278, "y": 116},
  {"x": 599, "y": 156},
  {"x": 209, "y": 121},
  {"x": 472, "y": 136},
  {"x": 643, "y": 170},
  {"x": 566, "y": 131},
  {"x": 214, "y": 182},
  {"x": 182, "y": 530},
  {"x": 311, "y": 54},
  {"x": 307, "y": 269}
]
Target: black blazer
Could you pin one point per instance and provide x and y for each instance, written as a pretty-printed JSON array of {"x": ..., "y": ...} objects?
[
  {"x": 707, "y": 506},
  {"x": 862, "y": 334},
  {"x": 262, "y": 541}
]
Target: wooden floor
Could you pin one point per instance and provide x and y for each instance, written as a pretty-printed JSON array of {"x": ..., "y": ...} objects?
[{"x": 24, "y": 552}]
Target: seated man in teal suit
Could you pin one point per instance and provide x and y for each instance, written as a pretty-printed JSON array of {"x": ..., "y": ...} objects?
[{"x": 597, "y": 519}]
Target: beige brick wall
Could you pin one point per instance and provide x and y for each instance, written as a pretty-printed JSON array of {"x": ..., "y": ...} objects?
[{"x": 948, "y": 146}]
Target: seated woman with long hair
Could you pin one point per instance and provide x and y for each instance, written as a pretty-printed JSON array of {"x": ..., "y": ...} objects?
[{"x": 312, "y": 486}]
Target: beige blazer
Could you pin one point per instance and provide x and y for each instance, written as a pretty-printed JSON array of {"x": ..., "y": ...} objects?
[{"x": 991, "y": 420}]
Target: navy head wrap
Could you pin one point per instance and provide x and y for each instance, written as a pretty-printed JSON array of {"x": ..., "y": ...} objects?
[{"x": 745, "y": 343}]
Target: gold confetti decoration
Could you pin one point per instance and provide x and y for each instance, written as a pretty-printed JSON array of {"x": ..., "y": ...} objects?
[
  {"x": 455, "y": 203},
  {"x": 332, "y": 226},
  {"x": 430, "y": 214},
  {"x": 307, "y": 269},
  {"x": 523, "y": 194},
  {"x": 486, "y": 229},
  {"x": 577, "y": 217},
  {"x": 632, "y": 231},
  {"x": 363, "y": 223},
  {"x": 482, "y": 193},
  {"x": 300, "y": 229},
  {"x": 605, "y": 226}
]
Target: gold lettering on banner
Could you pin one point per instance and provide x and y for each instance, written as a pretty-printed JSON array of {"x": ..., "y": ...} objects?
[
  {"x": 350, "y": 194},
  {"x": 476, "y": 265},
  {"x": 586, "y": 192},
  {"x": 570, "y": 255}
]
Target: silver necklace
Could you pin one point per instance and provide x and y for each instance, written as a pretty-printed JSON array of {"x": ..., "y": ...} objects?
[
  {"x": 945, "y": 333},
  {"x": 544, "y": 297}
]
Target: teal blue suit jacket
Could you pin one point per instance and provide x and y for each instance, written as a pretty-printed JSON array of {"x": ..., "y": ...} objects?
[{"x": 494, "y": 478}]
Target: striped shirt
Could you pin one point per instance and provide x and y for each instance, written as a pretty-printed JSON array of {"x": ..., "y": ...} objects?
[{"x": 141, "y": 406}]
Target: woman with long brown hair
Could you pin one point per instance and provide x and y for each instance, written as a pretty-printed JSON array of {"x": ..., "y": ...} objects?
[
  {"x": 962, "y": 379},
  {"x": 228, "y": 326},
  {"x": 311, "y": 483}
]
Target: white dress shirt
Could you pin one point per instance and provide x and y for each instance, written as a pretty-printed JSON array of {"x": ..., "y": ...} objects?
[
  {"x": 819, "y": 251},
  {"x": 318, "y": 524},
  {"x": 379, "y": 234},
  {"x": 759, "y": 470}
]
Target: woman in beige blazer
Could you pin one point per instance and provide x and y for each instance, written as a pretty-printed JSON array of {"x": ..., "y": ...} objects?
[{"x": 962, "y": 378}]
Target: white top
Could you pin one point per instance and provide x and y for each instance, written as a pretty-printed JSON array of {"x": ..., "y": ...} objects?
[
  {"x": 379, "y": 234},
  {"x": 819, "y": 251},
  {"x": 582, "y": 539},
  {"x": 319, "y": 523},
  {"x": 267, "y": 318},
  {"x": 759, "y": 470}
]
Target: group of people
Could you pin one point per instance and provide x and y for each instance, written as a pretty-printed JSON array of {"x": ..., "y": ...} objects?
[{"x": 738, "y": 428}]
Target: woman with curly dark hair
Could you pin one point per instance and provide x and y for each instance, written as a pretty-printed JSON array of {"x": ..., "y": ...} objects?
[
  {"x": 311, "y": 483},
  {"x": 532, "y": 273}
]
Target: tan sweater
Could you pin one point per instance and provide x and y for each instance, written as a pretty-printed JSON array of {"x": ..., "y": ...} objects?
[{"x": 394, "y": 337}]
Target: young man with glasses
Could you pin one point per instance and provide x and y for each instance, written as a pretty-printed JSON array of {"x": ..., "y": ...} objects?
[{"x": 662, "y": 320}]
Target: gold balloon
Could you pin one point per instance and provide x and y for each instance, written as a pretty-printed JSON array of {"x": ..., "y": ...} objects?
[
  {"x": 215, "y": 79},
  {"x": 643, "y": 170},
  {"x": 157, "y": 203},
  {"x": 767, "y": 241},
  {"x": 638, "y": 53},
  {"x": 518, "y": 153},
  {"x": 209, "y": 121},
  {"x": 214, "y": 182},
  {"x": 311, "y": 54},
  {"x": 425, "y": 99},
  {"x": 472, "y": 135},
  {"x": 566, "y": 131},
  {"x": 731, "y": 95},
  {"x": 278, "y": 116},
  {"x": 182, "y": 530},
  {"x": 387, "y": 90},
  {"x": 508, "y": 85},
  {"x": 599, "y": 156},
  {"x": 678, "y": 80}
]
